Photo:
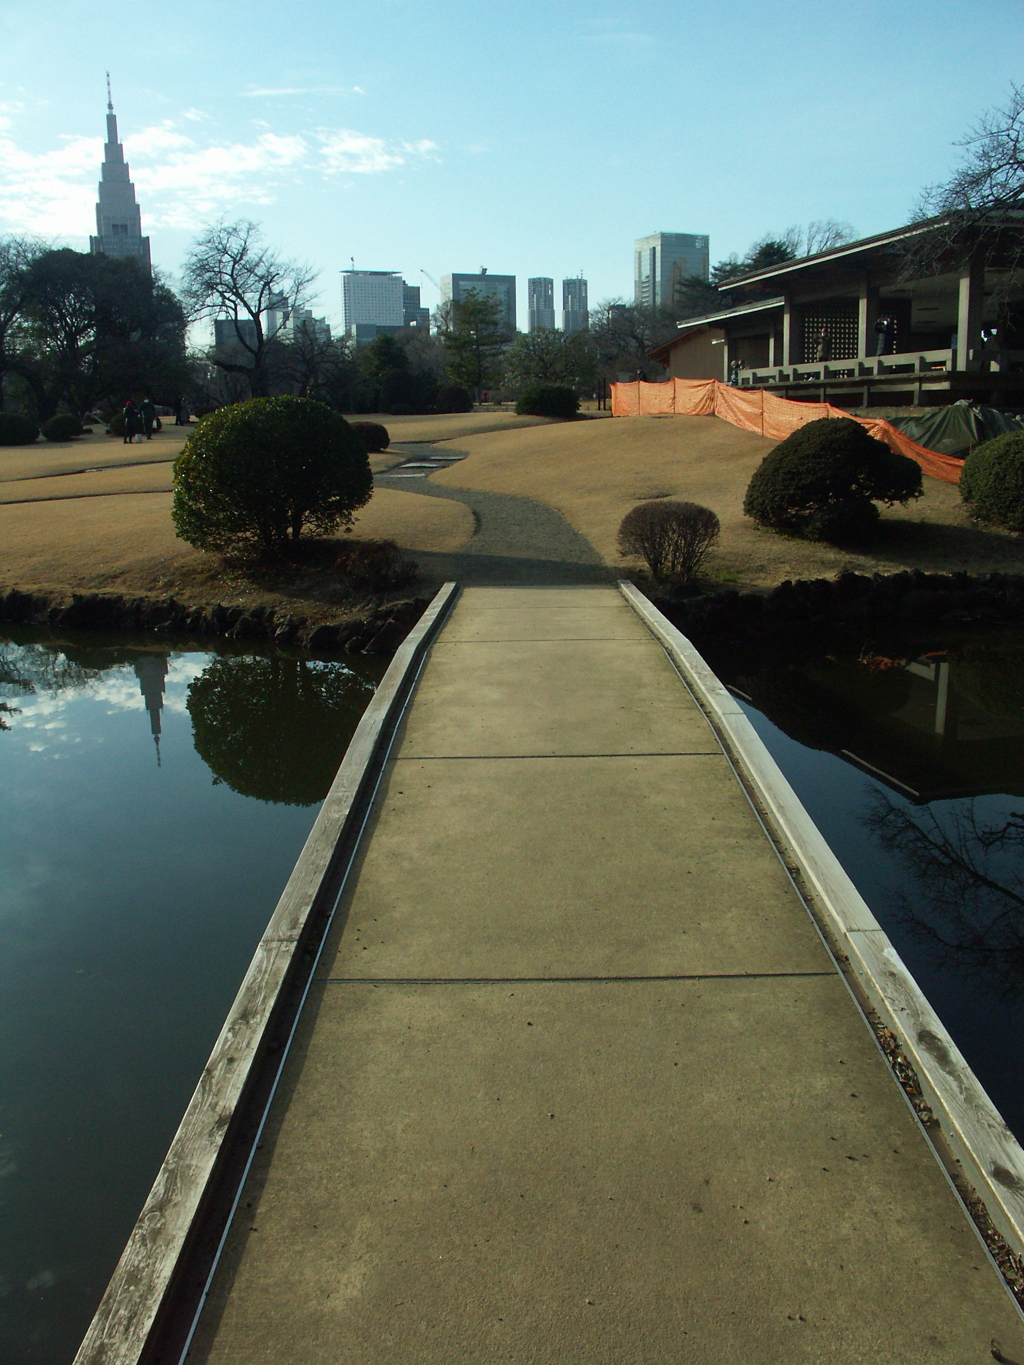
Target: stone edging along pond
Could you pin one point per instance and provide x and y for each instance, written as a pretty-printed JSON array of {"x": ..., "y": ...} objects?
[
  {"x": 793, "y": 610},
  {"x": 852, "y": 601},
  {"x": 380, "y": 631}
]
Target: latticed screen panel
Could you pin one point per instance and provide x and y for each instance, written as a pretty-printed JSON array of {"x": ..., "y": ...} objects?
[{"x": 839, "y": 318}]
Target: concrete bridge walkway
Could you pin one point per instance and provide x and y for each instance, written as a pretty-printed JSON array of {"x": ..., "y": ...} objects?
[{"x": 578, "y": 1081}]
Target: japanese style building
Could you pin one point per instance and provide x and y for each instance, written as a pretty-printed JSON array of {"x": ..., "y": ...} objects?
[{"x": 890, "y": 336}]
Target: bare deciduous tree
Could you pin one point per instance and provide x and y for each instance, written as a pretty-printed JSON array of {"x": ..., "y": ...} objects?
[
  {"x": 624, "y": 334},
  {"x": 992, "y": 173},
  {"x": 231, "y": 273},
  {"x": 824, "y": 234},
  {"x": 974, "y": 210},
  {"x": 967, "y": 900}
]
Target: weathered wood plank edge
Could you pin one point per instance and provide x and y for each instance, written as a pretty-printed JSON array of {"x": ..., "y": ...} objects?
[
  {"x": 131, "y": 1304},
  {"x": 989, "y": 1154}
]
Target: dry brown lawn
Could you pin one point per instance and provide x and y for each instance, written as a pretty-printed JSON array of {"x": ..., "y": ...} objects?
[
  {"x": 95, "y": 513},
  {"x": 593, "y": 472},
  {"x": 450, "y": 425}
]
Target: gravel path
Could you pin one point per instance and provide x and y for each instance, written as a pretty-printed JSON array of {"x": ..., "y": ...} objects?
[{"x": 517, "y": 541}]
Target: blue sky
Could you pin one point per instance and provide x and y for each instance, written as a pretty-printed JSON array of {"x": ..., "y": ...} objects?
[{"x": 533, "y": 138}]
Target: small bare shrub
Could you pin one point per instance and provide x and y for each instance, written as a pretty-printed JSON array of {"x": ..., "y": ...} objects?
[
  {"x": 375, "y": 566},
  {"x": 672, "y": 538}
]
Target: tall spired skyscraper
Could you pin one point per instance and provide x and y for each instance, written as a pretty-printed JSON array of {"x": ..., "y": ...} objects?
[{"x": 118, "y": 218}]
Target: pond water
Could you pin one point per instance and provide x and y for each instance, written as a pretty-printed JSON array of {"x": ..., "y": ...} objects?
[
  {"x": 152, "y": 804},
  {"x": 153, "y": 801},
  {"x": 910, "y": 760}
]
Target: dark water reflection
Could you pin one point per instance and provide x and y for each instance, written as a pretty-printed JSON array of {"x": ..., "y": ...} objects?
[
  {"x": 152, "y": 804},
  {"x": 911, "y": 762}
]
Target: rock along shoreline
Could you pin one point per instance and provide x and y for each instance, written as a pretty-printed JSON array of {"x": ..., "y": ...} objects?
[
  {"x": 795, "y": 610},
  {"x": 803, "y": 608},
  {"x": 380, "y": 631}
]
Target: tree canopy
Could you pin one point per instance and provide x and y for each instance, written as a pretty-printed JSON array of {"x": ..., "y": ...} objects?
[
  {"x": 231, "y": 274},
  {"x": 549, "y": 357},
  {"x": 696, "y": 296},
  {"x": 274, "y": 728},
  {"x": 78, "y": 329},
  {"x": 973, "y": 202},
  {"x": 623, "y": 334},
  {"x": 474, "y": 336},
  {"x": 255, "y": 475}
]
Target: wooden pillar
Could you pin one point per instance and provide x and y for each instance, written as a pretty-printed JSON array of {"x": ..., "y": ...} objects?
[
  {"x": 867, "y": 314},
  {"x": 726, "y": 358},
  {"x": 787, "y": 330},
  {"x": 968, "y": 322}
]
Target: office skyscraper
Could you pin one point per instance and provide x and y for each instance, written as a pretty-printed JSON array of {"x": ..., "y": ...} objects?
[
  {"x": 661, "y": 260},
  {"x": 500, "y": 287},
  {"x": 575, "y": 310},
  {"x": 541, "y": 295},
  {"x": 373, "y": 296},
  {"x": 118, "y": 217},
  {"x": 413, "y": 314}
]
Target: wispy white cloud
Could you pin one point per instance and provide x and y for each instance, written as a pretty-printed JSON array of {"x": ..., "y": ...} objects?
[
  {"x": 183, "y": 178},
  {"x": 274, "y": 92},
  {"x": 344, "y": 151},
  {"x": 49, "y": 193}
]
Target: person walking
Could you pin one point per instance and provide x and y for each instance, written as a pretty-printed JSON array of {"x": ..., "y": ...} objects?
[
  {"x": 132, "y": 423},
  {"x": 147, "y": 415},
  {"x": 824, "y": 345}
]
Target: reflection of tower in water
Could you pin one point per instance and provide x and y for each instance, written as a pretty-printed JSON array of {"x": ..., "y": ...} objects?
[{"x": 151, "y": 671}]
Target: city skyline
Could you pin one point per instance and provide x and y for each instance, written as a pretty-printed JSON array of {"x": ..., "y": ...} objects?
[{"x": 332, "y": 138}]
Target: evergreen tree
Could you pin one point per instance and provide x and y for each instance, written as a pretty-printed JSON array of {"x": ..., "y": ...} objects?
[{"x": 474, "y": 337}]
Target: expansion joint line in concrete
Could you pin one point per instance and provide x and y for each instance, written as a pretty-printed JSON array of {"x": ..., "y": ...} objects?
[
  {"x": 559, "y": 980},
  {"x": 504, "y": 758},
  {"x": 536, "y": 639}
]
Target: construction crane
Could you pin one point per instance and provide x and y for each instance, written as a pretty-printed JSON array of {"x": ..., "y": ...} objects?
[{"x": 431, "y": 279}]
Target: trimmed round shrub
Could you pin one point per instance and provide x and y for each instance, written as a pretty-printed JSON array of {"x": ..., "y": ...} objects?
[
  {"x": 16, "y": 430},
  {"x": 849, "y": 522},
  {"x": 373, "y": 435},
  {"x": 115, "y": 427},
  {"x": 672, "y": 538},
  {"x": 548, "y": 400},
  {"x": 822, "y": 482},
  {"x": 454, "y": 398},
  {"x": 63, "y": 427},
  {"x": 254, "y": 475},
  {"x": 992, "y": 481}
]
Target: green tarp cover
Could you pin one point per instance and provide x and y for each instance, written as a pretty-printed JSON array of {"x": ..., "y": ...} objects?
[{"x": 954, "y": 429}]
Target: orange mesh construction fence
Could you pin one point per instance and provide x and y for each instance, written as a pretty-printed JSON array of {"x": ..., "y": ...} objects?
[{"x": 762, "y": 412}]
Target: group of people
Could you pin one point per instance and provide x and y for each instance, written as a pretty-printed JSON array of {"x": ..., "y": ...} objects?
[
  {"x": 140, "y": 419},
  {"x": 885, "y": 332},
  {"x": 885, "y": 344}
]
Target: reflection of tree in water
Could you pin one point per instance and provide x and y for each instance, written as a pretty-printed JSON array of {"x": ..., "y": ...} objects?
[
  {"x": 992, "y": 677},
  {"x": 27, "y": 669},
  {"x": 275, "y": 728},
  {"x": 823, "y": 702},
  {"x": 968, "y": 899}
]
